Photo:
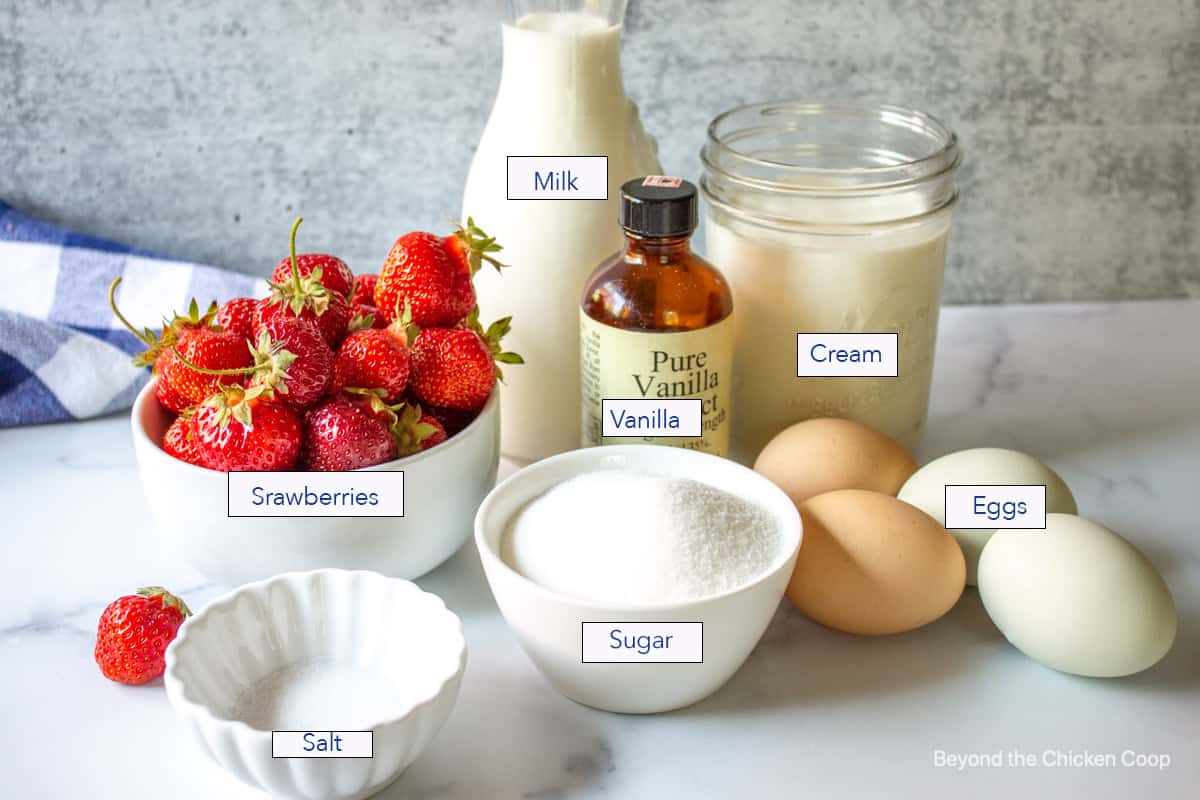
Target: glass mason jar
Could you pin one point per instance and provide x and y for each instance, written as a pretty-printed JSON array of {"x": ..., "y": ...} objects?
[{"x": 829, "y": 217}]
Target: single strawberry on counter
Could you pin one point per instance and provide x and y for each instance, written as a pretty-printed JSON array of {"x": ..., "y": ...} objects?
[
  {"x": 194, "y": 336},
  {"x": 237, "y": 316},
  {"x": 180, "y": 439},
  {"x": 244, "y": 429},
  {"x": 457, "y": 367},
  {"x": 305, "y": 297},
  {"x": 433, "y": 275},
  {"x": 334, "y": 274},
  {"x": 133, "y": 634}
]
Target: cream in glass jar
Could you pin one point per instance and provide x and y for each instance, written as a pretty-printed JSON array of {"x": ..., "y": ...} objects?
[{"x": 829, "y": 218}]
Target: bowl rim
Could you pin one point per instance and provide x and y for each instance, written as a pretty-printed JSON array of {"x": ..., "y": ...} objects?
[
  {"x": 492, "y": 557},
  {"x": 146, "y": 394},
  {"x": 183, "y": 701}
]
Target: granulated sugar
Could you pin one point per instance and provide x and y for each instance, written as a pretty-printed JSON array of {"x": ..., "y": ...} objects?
[{"x": 634, "y": 538}]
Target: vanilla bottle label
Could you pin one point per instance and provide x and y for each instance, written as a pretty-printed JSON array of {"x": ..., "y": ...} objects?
[{"x": 650, "y": 365}]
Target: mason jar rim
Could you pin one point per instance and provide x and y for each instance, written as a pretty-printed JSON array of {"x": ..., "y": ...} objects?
[
  {"x": 946, "y": 155},
  {"x": 845, "y": 164}
]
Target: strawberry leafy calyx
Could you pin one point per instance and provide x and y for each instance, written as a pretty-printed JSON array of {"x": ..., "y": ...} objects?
[
  {"x": 298, "y": 293},
  {"x": 491, "y": 337},
  {"x": 409, "y": 431},
  {"x": 271, "y": 363},
  {"x": 235, "y": 403},
  {"x": 402, "y": 327},
  {"x": 168, "y": 599},
  {"x": 478, "y": 245},
  {"x": 403, "y": 420},
  {"x": 171, "y": 331},
  {"x": 361, "y": 321}
]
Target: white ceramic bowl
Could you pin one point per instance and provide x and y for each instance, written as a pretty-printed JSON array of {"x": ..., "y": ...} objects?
[
  {"x": 442, "y": 488},
  {"x": 548, "y": 624},
  {"x": 378, "y": 654}
]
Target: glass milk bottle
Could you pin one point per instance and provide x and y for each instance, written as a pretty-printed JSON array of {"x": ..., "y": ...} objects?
[
  {"x": 560, "y": 94},
  {"x": 829, "y": 218}
]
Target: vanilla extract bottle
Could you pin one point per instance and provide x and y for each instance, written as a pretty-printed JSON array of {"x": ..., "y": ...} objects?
[{"x": 656, "y": 325}]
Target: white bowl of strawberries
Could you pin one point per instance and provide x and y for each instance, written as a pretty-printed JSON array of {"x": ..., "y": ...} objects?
[{"x": 331, "y": 372}]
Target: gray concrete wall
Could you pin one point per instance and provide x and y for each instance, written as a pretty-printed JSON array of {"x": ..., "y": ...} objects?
[{"x": 200, "y": 128}]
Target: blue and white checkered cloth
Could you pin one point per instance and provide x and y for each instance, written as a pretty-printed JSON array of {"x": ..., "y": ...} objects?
[{"x": 63, "y": 355}]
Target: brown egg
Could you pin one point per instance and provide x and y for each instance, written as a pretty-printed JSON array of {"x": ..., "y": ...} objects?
[
  {"x": 871, "y": 564},
  {"x": 822, "y": 455}
]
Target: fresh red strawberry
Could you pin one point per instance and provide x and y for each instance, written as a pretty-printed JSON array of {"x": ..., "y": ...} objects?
[
  {"x": 456, "y": 367},
  {"x": 307, "y": 298},
  {"x": 298, "y": 363},
  {"x": 335, "y": 275},
  {"x": 180, "y": 440},
  {"x": 342, "y": 434},
  {"x": 194, "y": 333},
  {"x": 181, "y": 386},
  {"x": 133, "y": 634},
  {"x": 433, "y": 274},
  {"x": 364, "y": 289},
  {"x": 237, "y": 316},
  {"x": 419, "y": 271},
  {"x": 372, "y": 359},
  {"x": 291, "y": 362},
  {"x": 243, "y": 429}
]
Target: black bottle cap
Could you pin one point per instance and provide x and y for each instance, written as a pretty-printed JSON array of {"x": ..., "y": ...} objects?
[{"x": 658, "y": 205}]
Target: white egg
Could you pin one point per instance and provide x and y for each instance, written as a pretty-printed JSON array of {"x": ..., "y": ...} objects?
[
  {"x": 926, "y": 489},
  {"x": 1077, "y": 597}
]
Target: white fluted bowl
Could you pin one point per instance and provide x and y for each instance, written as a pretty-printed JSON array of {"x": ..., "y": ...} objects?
[{"x": 358, "y": 650}]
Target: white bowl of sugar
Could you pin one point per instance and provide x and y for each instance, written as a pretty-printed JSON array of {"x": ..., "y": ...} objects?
[{"x": 604, "y": 560}]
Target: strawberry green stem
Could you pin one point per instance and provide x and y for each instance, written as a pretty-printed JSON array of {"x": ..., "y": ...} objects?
[
  {"x": 112, "y": 303},
  {"x": 207, "y": 371},
  {"x": 295, "y": 265}
]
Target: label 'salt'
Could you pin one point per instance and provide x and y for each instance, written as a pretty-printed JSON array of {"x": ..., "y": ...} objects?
[{"x": 322, "y": 744}]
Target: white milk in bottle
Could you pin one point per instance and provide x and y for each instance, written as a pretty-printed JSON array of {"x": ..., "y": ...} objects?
[{"x": 560, "y": 94}]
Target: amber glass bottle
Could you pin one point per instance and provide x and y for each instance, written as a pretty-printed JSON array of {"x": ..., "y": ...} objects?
[{"x": 656, "y": 319}]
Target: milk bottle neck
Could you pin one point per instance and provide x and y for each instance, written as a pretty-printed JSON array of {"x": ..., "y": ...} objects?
[{"x": 555, "y": 62}]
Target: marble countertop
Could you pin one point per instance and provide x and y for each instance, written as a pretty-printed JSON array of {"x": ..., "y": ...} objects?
[{"x": 1108, "y": 394}]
